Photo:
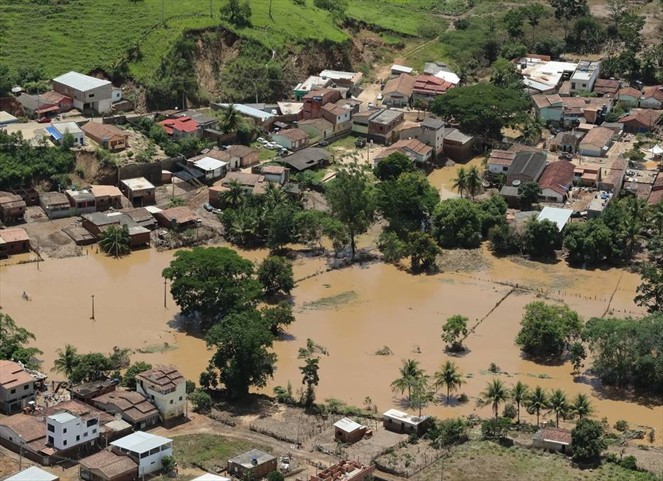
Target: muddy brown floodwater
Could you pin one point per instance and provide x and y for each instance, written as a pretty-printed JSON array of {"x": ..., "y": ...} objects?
[{"x": 351, "y": 312}]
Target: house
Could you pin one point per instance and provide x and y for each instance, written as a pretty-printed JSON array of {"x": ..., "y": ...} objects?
[
  {"x": 108, "y": 466},
  {"x": 345, "y": 470},
  {"x": 559, "y": 217},
  {"x": 17, "y": 387},
  {"x": 47, "y": 104},
  {"x": 59, "y": 130},
  {"x": 107, "y": 136},
  {"x": 242, "y": 156},
  {"x": 132, "y": 406},
  {"x": 166, "y": 388},
  {"x": 628, "y": 97},
  {"x": 578, "y": 110},
  {"x": 500, "y": 161},
  {"x": 260, "y": 117},
  {"x": 213, "y": 168},
  {"x": 527, "y": 166},
  {"x": 348, "y": 80},
  {"x": 656, "y": 195},
  {"x": 456, "y": 145},
  {"x": 65, "y": 431},
  {"x": 400, "y": 69},
  {"x": 587, "y": 176},
  {"x": 596, "y": 143},
  {"x": 427, "y": 87},
  {"x": 181, "y": 127},
  {"x": 25, "y": 434},
  {"x": 556, "y": 181},
  {"x": 55, "y": 204},
  {"x": 347, "y": 431},
  {"x": 316, "y": 99},
  {"x": 640, "y": 120},
  {"x": 432, "y": 132},
  {"x": 548, "y": 108},
  {"x": 317, "y": 129},
  {"x": 652, "y": 97},
  {"x": 33, "y": 473},
  {"x": 88, "y": 93},
  {"x": 276, "y": 174},
  {"x": 553, "y": 439},
  {"x": 177, "y": 218},
  {"x": 86, "y": 392},
  {"x": 308, "y": 158},
  {"x": 606, "y": 87},
  {"x": 255, "y": 464},
  {"x": 541, "y": 75},
  {"x": 419, "y": 152},
  {"x": 398, "y": 91},
  {"x": 12, "y": 207},
  {"x": 14, "y": 241},
  {"x": 144, "y": 216},
  {"x": 566, "y": 141},
  {"x": 585, "y": 76},
  {"x": 314, "y": 82},
  {"x": 203, "y": 120},
  {"x": 250, "y": 184},
  {"x": 147, "y": 450},
  {"x": 400, "y": 422},
  {"x": 339, "y": 115},
  {"x": 81, "y": 201},
  {"x": 291, "y": 139},
  {"x": 382, "y": 125},
  {"x": 106, "y": 197},
  {"x": 139, "y": 191},
  {"x": 97, "y": 222},
  {"x": 6, "y": 118}
]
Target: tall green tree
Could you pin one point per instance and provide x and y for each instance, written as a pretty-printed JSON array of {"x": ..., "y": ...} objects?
[
  {"x": 449, "y": 377},
  {"x": 504, "y": 73},
  {"x": 460, "y": 182},
  {"x": 229, "y": 118},
  {"x": 275, "y": 275},
  {"x": 519, "y": 394},
  {"x": 393, "y": 166},
  {"x": 454, "y": 331},
  {"x": 129, "y": 379},
  {"x": 410, "y": 372},
  {"x": 588, "y": 442},
  {"x": 496, "y": 393},
  {"x": 352, "y": 202},
  {"x": 541, "y": 238},
  {"x": 457, "y": 223},
  {"x": 115, "y": 240},
  {"x": 310, "y": 379},
  {"x": 474, "y": 181},
  {"x": 66, "y": 361},
  {"x": 91, "y": 367},
  {"x": 546, "y": 330},
  {"x": 588, "y": 242},
  {"x": 558, "y": 404},
  {"x": 234, "y": 196},
  {"x": 529, "y": 193},
  {"x": 277, "y": 317},
  {"x": 567, "y": 10},
  {"x": 650, "y": 291},
  {"x": 423, "y": 251},
  {"x": 238, "y": 14},
  {"x": 14, "y": 342},
  {"x": 536, "y": 402},
  {"x": 581, "y": 407}
]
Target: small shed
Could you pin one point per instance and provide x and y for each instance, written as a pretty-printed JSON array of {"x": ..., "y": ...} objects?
[
  {"x": 400, "y": 422},
  {"x": 255, "y": 463},
  {"x": 33, "y": 473},
  {"x": 553, "y": 439},
  {"x": 348, "y": 431},
  {"x": 108, "y": 466},
  {"x": 397, "y": 69}
]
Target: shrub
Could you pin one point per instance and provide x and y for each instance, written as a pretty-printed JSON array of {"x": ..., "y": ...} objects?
[
  {"x": 201, "y": 400},
  {"x": 168, "y": 463},
  {"x": 621, "y": 425},
  {"x": 448, "y": 432},
  {"x": 629, "y": 462}
]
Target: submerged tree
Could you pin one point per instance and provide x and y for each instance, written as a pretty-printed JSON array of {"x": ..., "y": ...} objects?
[
  {"x": 115, "y": 240},
  {"x": 495, "y": 394},
  {"x": 448, "y": 376},
  {"x": 410, "y": 372}
]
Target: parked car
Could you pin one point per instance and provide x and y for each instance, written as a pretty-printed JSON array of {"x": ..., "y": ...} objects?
[
  {"x": 323, "y": 143},
  {"x": 44, "y": 120},
  {"x": 261, "y": 140},
  {"x": 566, "y": 156},
  {"x": 360, "y": 142},
  {"x": 208, "y": 207},
  {"x": 272, "y": 145}
]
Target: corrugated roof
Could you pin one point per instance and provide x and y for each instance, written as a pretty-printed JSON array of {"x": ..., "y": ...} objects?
[
  {"x": 81, "y": 82},
  {"x": 33, "y": 473},
  {"x": 403, "y": 85},
  {"x": 12, "y": 373},
  {"x": 140, "y": 442},
  {"x": 347, "y": 425},
  {"x": 109, "y": 464},
  {"x": 558, "y": 216},
  {"x": 209, "y": 164},
  {"x": 63, "y": 417},
  {"x": 250, "y": 111},
  {"x": 137, "y": 183},
  {"x": 245, "y": 459}
]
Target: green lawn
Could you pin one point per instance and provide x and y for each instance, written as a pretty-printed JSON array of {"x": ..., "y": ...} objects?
[{"x": 209, "y": 451}]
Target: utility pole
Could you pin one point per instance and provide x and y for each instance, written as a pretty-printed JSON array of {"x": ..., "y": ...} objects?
[
  {"x": 92, "y": 308},
  {"x": 164, "y": 294}
]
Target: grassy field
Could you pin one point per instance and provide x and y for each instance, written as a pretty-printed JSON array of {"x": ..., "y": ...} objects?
[
  {"x": 486, "y": 461},
  {"x": 209, "y": 451}
]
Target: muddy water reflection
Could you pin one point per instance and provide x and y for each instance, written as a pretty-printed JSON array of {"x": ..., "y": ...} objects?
[{"x": 351, "y": 312}]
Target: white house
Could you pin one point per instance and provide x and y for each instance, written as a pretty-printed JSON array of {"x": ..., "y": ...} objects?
[
  {"x": 148, "y": 450},
  {"x": 584, "y": 76},
  {"x": 33, "y": 473},
  {"x": 166, "y": 388},
  {"x": 59, "y": 130},
  {"x": 88, "y": 93},
  {"x": 65, "y": 430},
  {"x": 17, "y": 387},
  {"x": 400, "y": 422},
  {"x": 213, "y": 168}
]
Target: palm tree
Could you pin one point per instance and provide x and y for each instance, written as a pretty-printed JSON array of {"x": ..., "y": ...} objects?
[
  {"x": 460, "y": 182},
  {"x": 229, "y": 118},
  {"x": 410, "y": 373},
  {"x": 495, "y": 394},
  {"x": 636, "y": 208},
  {"x": 473, "y": 181},
  {"x": 631, "y": 233},
  {"x": 449, "y": 376},
  {"x": 66, "y": 361},
  {"x": 558, "y": 404},
  {"x": 519, "y": 394},
  {"x": 274, "y": 196},
  {"x": 656, "y": 217},
  {"x": 581, "y": 406},
  {"x": 115, "y": 240},
  {"x": 532, "y": 131},
  {"x": 244, "y": 226},
  {"x": 234, "y": 196},
  {"x": 536, "y": 402}
]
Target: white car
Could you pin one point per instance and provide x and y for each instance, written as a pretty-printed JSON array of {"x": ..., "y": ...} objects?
[
  {"x": 272, "y": 145},
  {"x": 260, "y": 140},
  {"x": 380, "y": 96}
]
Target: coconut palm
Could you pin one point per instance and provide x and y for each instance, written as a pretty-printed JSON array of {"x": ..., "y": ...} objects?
[
  {"x": 460, "y": 182},
  {"x": 230, "y": 119},
  {"x": 537, "y": 402},
  {"x": 656, "y": 217},
  {"x": 495, "y": 394},
  {"x": 473, "y": 181},
  {"x": 66, "y": 361},
  {"x": 581, "y": 406},
  {"x": 558, "y": 404},
  {"x": 636, "y": 208},
  {"x": 115, "y": 240},
  {"x": 532, "y": 131},
  {"x": 234, "y": 196},
  {"x": 274, "y": 196},
  {"x": 631, "y": 231},
  {"x": 410, "y": 373},
  {"x": 519, "y": 393},
  {"x": 449, "y": 377}
]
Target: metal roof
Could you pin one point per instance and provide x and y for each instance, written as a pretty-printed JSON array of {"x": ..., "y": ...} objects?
[
  {"x": 62, "y": 417},
  {"x": 210, "y": 477},
  {"x": 208, "y": 163},
  {"x": 80, "y": 82},
  {"x": 64, "y": 127},
  {"x": 54, "y": 133},
  {"x": 347, "y": 425},
  {"x": 559, "y": 216},
  {"x": 137, "y": 183},
  {"x": 250, "y": 111},
  {"x": 33, "y": 473},
  {"x": 140, "y": 442}
]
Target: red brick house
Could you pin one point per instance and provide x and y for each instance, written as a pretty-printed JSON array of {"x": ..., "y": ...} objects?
[{"x": 315, "y": 100}]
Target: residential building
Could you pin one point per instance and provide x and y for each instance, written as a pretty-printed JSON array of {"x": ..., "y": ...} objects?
[
  {"x": 345, "y": 470},
  {"x": 203, "y": 120},
  {"x": 86, "y": 392},
  {"x": 628, "y": 97},
  {"x": 398, "y": 91},
  {"x": 260, "y": 117},
  {"x": 500, "y": 161},
  {"x": 181, "y": 127},
  {"x": 349, "y": 80},
  {"x": 144, "y": 216},
  {"x": 316, "y": 99},
  {"x": 177, "y": 218},
  {"x": 432, "y": 133},
  {"x": 553, "y": 439},
  {"x": 23, "y": 433},
  {"x": 314, "y": 82},
  {"x": 397, "y": 69},
  {"x": 291, "y": 139},
  {"x": 640, "y": 120},
  {"x": 592, "y": 110},
  {"x": 17, "y": 387},
  {"x": 382, "y": 125},
  {"x": 348, "y": 431},
  {"x": 251, "y": 184},
  {"x": 317, "y": 129},
  {"x": 108, "y": 466},
  {"x": 541, "y": 75},
  {"x": 566, "y": 141},
  {"x": 55, "y": 204},
  {"x": 556, "y": 181},
  {"x": 14, "y": 241},
  {"x": 87, "y": 93},
  {"x": 427, "y": 87},
  {"x": 106, "y": 197},
  {"x": 81, "y": 201},
  {"x": 587, "y": 176},
  {"x": 339, "y": 115},
  {"x": 456, "y": 145},
  {"x": 65, "y": 431},
  {"x": 652, "y": 97},
  {"x": 213, "y": 168},
  {"x": 419, "y": 152},
  {"x": 527, "y": 166},
  {"x": 275, "y": 173},
  {"x": 166, "y": 388},
  {"x": 360, "y": 122},
  {"x": 308, "y": 158},
  {"x": 47, "y": 104},
  {"x": 585, "y": 76},
  {"x": 596, "y": 143},
  {"x": 255, "y": 464},
  {"x": 12, "y": 207},
  {"x": 59, "y": 130},
  {"x": 6, "y": 118},
  {"x": 33, "y": 473},
  {"x": 147, "y": 450},
  {"x": 97, "y": 222},
  {"x": 107, "y": 136},
  {"x": 242, "y": 156},
  {"x": 400, "y": 422},
  {"x": 656, "y": 195},
  {"x": 139, "y": 191},
  {"x": 606, "y": 87},
  {"x": 132, "y": 406},
  {"x": 548, "y": 108}
]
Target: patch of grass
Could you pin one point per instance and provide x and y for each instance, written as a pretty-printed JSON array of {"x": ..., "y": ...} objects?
[
  {"x": 155, "y": 348},
  {"x": 331, "y": 302},
  {"x": 209, "y": 451}
]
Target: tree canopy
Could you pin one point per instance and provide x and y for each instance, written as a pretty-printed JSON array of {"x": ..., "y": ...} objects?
[
  {"x": 275, "y": 274},
  {"x": 587, "y": 440},
  {"x": 548, "y": 329},
  {"x": 14, "y": 342},
  {"x": 392, "y": 166},
  {"x": 457, "y": 223}
]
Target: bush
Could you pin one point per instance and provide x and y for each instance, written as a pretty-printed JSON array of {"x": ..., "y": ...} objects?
[
  {"x": 629, "y": 462},
  {"x": 621, "y": 425},
  {"x": 461, "y": 24},
  {"x": 448, "y": 432},
  {"x": 548, "y": 329},
  {"x": 190, "y": 386},
  {"x": 510, "y": 411},
  {"x": 201, "y": 400},
  {"x": 275, "y": 476},
  {"x": 168, "y": 463},
  {"x": 495, "y": 428}
]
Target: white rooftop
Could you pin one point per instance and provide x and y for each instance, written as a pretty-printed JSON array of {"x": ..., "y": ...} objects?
[
  {"x": 117, "y": 425},
  {"x": 153, "y": 209},
  {"x": 401, "y": 68},
  {"x": 405, "y": 417},
  {"x": 7, "y": 118},
  {"x": 33, "y": 473},
  {"x": 210, "y": 477},
  {"x": 138, "y": 183},
  {"x": 64, "y": 127},
  {"x": 81, "y": 82},
  {"x": 209, "y": 164},
  {"x": 448, "y": 77},
  {"x": 140, "y": 442},
  {"x": 556, "y": 215},
  {"x": 347, "y": 425},
  {"x": 250, "y": 111},
  {"x": 337, "y": 74},
  {"x": 543, "y": 73},
  {"x": 312, "y": 83},
  {"x": 62, "y": 417}
]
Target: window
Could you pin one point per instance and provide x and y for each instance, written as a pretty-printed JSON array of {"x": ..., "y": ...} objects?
[
  {"x": 171, "y": 401},
  {"x": 27, "y": 386},
  {"x": 85, "y": 434},
  {"x": 51, "y": 428},
  {"x": 78, "y": 438},
  {"x": 91, "y": 96},
  {"x": 180, "y": 398},
  {"x": 94, "y": 431},
  {"x": 64, "y": 431},
  {"x": 64, "y": 443},
  {"x": 51, "y": 441},
  {"x": 13, "y": 391},
  {"x": 91, "y": 422}
]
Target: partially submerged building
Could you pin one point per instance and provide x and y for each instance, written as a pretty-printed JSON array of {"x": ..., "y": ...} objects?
[{"x": 400, "y": 422}]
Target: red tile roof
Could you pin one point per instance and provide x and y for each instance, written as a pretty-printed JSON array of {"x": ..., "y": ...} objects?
[
  {"x": 430, "y": 85},
  {"x": 556, "y": 435},
  {"x": 646, "y": 117},
  {"x": 557, "y": 176},
  {"x": 12, "y": 374},
  {"x": 606, "y": 86},
  {"x": 598, "y": 137},
  {"x": 628, "y": 91},
  {"x": 501, "y": 157},
  {"x": 293, "y": 134},
  {"x": 653, "y": 91},
  {"x": 183, "y": 124}
]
